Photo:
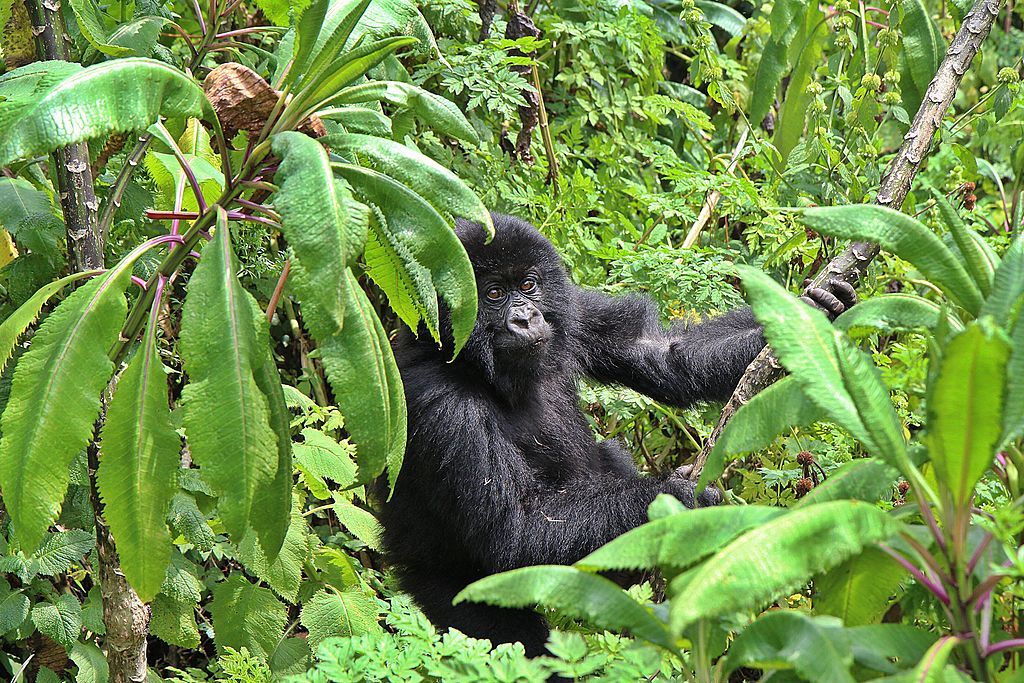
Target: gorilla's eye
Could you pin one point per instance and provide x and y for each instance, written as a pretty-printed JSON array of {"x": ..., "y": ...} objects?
[
  {"x": 495, "y": 294},
  {"x": 528, "y": 285}
]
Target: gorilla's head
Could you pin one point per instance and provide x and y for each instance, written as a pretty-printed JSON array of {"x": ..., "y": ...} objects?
[{"x": 524, "y": 308}]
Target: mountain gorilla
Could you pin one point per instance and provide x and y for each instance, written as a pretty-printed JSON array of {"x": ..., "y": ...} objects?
[{"x": 502, "y": 470}]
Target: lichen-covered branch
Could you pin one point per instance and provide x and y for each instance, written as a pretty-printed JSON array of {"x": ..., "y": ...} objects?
[{"x": 852, "y": 263}]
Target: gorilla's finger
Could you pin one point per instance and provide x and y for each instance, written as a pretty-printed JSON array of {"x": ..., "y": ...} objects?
[
  {"x": 844, "y": 291},
  {"x": 709, "y": 497},
  {"x": 827, "y": 300}
]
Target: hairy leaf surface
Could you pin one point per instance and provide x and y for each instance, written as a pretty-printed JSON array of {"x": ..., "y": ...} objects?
[
  {"x": 139, "y": 460},
  {"x": 573, "y": 593},
  {"x": 894, "y": 313},
  {"x": 858, "y": 590},
  {"x": 47, "y": 105},
  {"x": 338, "y": 614},
  {"x": 55, "y": 399},
  {"x": 816, "y": 648},
  {"x": 226, "y": 415},
  {"x": 775, "y": 558},
  {"x": 245, "y": 615}
]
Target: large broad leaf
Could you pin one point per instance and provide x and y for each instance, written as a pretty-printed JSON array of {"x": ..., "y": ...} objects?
[
  {"x": 324, "y": 236},
  {"x": 139, "y": 461},
  {"x": 348, "y": 68},
  {"x": 47, "y": 105},
  {"x": 421, "y": 174},
  {"x": 381, "y": 19},
  {"x": 888, "y": 648},
  {"x": 425, "y": 238},
  {"x": 758, "y": 422},
  {"x": 965, "y": 407},
  {"x": 903, "y": 236},
  {"x": 863, "y": 479},
  {"x": 16, "y": 323},
  {"x": 247, "y": 616},
  {"x": 893, "y": 313},
  {"x": 440, "y": 114},
  {"x": 226, "y": 414},
  {"x": 775, "y": 558},
  {"x": 722, "y": 16},
  {"x": 60, "y": 620},
  {"x": 573, "y": 593},
  {"x": 55, "y": 399},
  {"x": 1013, "y": 414},
  {"x": 836, "y": 376},
  {"x": 678, "y": 541},
  {"x": 338, "y": 614},
  {"x": 859, "y": 590},
  {"x": 977, "y": 259},
  {"x": 816, "y": 648},
  {"x": 284, "y": 574},
  {"x": 361, "y": 368}
]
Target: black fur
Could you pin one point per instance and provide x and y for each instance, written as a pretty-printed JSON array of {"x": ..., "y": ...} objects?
[{"x": 502, "y": 470}]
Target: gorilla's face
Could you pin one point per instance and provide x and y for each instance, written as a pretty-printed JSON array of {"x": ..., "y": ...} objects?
[{"x": 513, "y": 307}]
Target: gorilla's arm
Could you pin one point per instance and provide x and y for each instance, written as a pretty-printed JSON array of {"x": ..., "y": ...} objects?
[
  {"x": 623, "y": 341},
  {"x": 500, "y": 513}
]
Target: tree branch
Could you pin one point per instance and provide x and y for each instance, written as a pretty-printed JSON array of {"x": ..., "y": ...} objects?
[{"x": 850, "y": 265}]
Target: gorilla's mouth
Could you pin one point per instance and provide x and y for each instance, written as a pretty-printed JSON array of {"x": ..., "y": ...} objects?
[{"x": 510, "y": 343}]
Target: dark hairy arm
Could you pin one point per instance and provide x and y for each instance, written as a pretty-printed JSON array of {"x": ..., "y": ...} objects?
[{"x": 623, "y": 341}]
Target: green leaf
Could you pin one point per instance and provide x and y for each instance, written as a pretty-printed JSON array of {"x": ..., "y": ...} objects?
[
  {"x": 135, "y": 37},
  {"x": 1013, "y": 412},
  {"x": 227, "y": 416},
  {"x": 60, "y": 620},
  {"x": 976, "y": 258},
  {"x": 139, "y": 36},
  {"x": 91, "y": 663},
  {"x": 722, "y": 16},
  {"x": 1005, "y": 301},
  {"x": 361, "y": 368},
  {"x": 965, "y": 407},
  {"x": 427, "y": 238},
  {"x": 786, "y": 21},
  {"x": 836, "y": 376},
  {"x": 186, "y": 520},
  {"x": 174, "y": 622},
  {"x": 862, "y": 479},
  {"x": 797, "y": 100},
  {"x": 441, "y": 114},
  {"x": 170, "y": 179},
  {"x": 335, "y": 43},
  {"x": 775, "y": 558},
  {"x": 55, "y": 399},
  {"x": 323, "y": 235},
  {"x": 284, "y": 574},
  {"x": 905, "y": 237},
  {"x": 16, "y": 323},
  {"x": 888, "y": 648},
  {"x": 19, "y": 199},
  {"x": 38, "y": 102},
  {"x": 360, "y": 523},
  {"x": 572, "y": 593},
  {"x": 291, "y": 658},
  {"x": 341, "y": 613},
  {"x": 14, "y": 609},
  {"x": 60, "y": 550},
  {"x": 421, "y": 174},
  {"x": 320, "y": 457},
  {"x": 816, "y": 648},
  {"x": 893, "y": 313},
  {"x": 381, "y": 19},
  {"x": 756, "y": 424},
  {"x": 351, "y": 66},
  {"x": 245, "y": 615},
  {"x": 678, "y": 541},
  {"x": 859, "y": 590},
  {"x": 922, "y": 50},
  {"x": 139, "y": 460},
  {"x": 932, "y": 667}
]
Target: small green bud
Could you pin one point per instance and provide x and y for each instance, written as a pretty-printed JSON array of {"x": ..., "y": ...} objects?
[
  {"x": 703, "y": 41},
  {"x": 891, "y": 77},
  {"x": 888, "y": 37},
  {"x": 814, "y": 88},
  {"x": 1007, "y": 76},
  {"x": 686, "y": 4},
  {"x": 693, "y": 16},
  {"x": 818, "y": 106},
  {"x": 842, "y": 6},
  {"x": 871, "y": 82},
  {"x": 844, "y": 21},
  {"x": 843, "y": 41},
  {"x": 892, "y": 97}
]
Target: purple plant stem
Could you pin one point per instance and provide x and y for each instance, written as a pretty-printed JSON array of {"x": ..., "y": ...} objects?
[
  {"x": 199, "y": 16},
  {"x": 986, "y": 622},
  {"x": 139, "y": 281},
  {"x": 926, "y": 512},
  {"x": 1004, "y": 645},
  {"x": 935, "y": 588},
  {"x": 978, "y": 552}
]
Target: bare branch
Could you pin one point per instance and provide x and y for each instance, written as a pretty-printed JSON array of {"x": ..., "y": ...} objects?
[{"x": 853, "y": 262}]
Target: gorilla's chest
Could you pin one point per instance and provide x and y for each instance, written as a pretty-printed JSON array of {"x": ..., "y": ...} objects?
[{"x": 552, "y": 435}]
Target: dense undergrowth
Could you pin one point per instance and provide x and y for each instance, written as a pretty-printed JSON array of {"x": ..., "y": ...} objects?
[{"x": 881, "y": 483}]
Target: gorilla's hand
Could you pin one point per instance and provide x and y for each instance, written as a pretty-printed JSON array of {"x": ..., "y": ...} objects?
[
  {"x": 684, "y": 490},
  {"x": 838, "y": 297}
]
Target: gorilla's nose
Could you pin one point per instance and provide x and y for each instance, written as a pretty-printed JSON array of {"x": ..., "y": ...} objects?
[{"x": 525, "y": 323}]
